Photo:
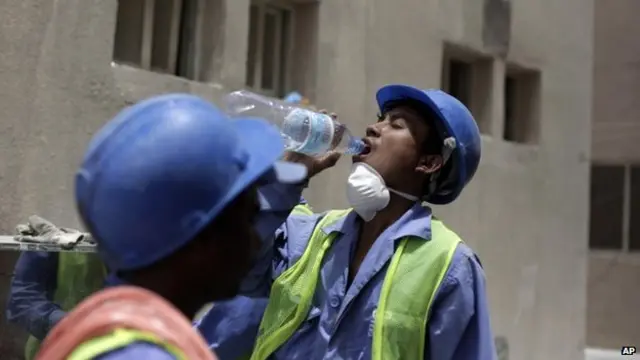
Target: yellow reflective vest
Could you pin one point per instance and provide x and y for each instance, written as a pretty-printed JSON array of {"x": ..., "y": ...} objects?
[
  {"x": 413, "y": 277},
  {"x": 119, "y": 339}
]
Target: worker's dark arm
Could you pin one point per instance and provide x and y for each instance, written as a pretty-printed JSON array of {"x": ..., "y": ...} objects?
[{"x": 32, "y": 289}]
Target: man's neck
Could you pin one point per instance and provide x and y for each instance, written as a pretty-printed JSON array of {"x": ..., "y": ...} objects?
[
  {"x": 165, "y": 289},
  {"x": 384, "y": 218},
  {"x": 371, "y": 230}
]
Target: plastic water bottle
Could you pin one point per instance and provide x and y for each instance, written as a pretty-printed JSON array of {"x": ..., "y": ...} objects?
[{"x": 303, "y": 130}]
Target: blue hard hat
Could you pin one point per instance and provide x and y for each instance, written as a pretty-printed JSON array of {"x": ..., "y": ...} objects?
[
  {"x": 159, "y": 172},
  {"x": 453, "y": 120}
]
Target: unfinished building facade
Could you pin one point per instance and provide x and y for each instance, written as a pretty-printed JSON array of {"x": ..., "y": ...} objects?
[{"x": 523, "y": 67}]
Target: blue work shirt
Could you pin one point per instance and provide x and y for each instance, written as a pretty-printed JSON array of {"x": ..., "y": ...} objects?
[
  {"x": 33, "y": 286},
  {"x": 238, "y": 340},
  {"x": 340, "y": 322}
]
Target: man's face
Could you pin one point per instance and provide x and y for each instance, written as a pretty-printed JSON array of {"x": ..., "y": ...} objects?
[{"x": 395, "y": 144}]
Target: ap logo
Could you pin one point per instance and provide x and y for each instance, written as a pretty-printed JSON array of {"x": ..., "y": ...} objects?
[{"x": 628, "y": 350}]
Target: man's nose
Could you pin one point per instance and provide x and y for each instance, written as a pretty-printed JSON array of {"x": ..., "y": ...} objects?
[{"x": 372, "y": 130}]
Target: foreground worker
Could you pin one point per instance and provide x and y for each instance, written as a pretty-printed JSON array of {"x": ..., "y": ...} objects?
[
  {"x": 385, "y": 279},
  {"x": 45, "y": 285},
  {"x": 169, "y": 191}
]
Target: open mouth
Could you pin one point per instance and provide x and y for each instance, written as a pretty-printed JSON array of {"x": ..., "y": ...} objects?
[
  {"x": 367, "y": 150},
  {"x": 364, "y": 153}
]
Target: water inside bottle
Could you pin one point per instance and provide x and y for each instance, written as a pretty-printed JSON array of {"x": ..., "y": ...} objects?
[
  {"x": 308, "y": 132},
  {"x": 296, "y": 128}
]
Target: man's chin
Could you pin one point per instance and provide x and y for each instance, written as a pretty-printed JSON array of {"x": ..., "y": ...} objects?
[{"x": 359, "y": 159}]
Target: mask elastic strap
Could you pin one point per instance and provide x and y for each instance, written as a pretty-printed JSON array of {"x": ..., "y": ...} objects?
[
  {"x": 448, "y": 146},
  {"x": 404, "y": 195}
]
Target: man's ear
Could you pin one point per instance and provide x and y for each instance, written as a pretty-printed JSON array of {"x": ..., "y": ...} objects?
[{"x": 429, "y": 164}]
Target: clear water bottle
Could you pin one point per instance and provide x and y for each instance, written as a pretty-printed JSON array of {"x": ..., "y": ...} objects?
[{"x": 303, "y": 130}]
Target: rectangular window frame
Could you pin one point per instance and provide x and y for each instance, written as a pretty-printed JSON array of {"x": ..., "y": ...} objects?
[
  {"x": 522, "y": 105},
  {"x": 173, "y": 54},
  {"x": 476, "y": 78},
  {"x": 629, "y": 191},
  {"x": 626, "y": 212},
  {"x": 283, "y": 43}
]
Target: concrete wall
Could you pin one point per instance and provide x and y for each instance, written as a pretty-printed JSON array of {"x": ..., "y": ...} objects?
[
  {"x": 612, "y": 301},
  {"x": 616, "y": 77},
  {"x": 613, "y": 298},
  {"x": 525, "y": 213}
]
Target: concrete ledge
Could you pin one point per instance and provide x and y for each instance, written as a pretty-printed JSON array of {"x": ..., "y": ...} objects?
[
  {"x": 630, "y": 258},
  {"x": 136, "y": 84}
]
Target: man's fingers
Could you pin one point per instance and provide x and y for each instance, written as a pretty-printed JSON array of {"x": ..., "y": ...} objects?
[
  {"x": 333, "y": 115},
  {"x": 293, "y": 156},
  {"x": 330, "y": 159}
]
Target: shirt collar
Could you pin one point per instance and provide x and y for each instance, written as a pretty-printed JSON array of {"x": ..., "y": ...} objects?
[{"x": 416, "y": 222}]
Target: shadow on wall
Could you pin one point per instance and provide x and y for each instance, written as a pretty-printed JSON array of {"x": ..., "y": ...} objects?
[{"x": 12, "y": 338}]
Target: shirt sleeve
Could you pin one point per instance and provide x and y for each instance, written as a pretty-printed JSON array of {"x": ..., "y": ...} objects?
[
  {"x": 138, "y": 351},
  {"x": 460, "y": 326},
  {"x": 277, "y": 201},
  {"x": 33, "y": 285},
  {"x": 231, "y": 327}
]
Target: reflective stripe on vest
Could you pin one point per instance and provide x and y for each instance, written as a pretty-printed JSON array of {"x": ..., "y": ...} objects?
[
  {"x": 119, "y": 339},
  {"x": 79, "y": 275},
  {"x": 413, "y": 277}
]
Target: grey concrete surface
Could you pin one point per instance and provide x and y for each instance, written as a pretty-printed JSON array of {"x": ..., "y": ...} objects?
[
  {"x": 613, "y": 293},
  {"x": 525, "y": 213}
]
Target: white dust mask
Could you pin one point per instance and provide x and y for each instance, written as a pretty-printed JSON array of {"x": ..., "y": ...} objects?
[{"x": 367, "y": 193}]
